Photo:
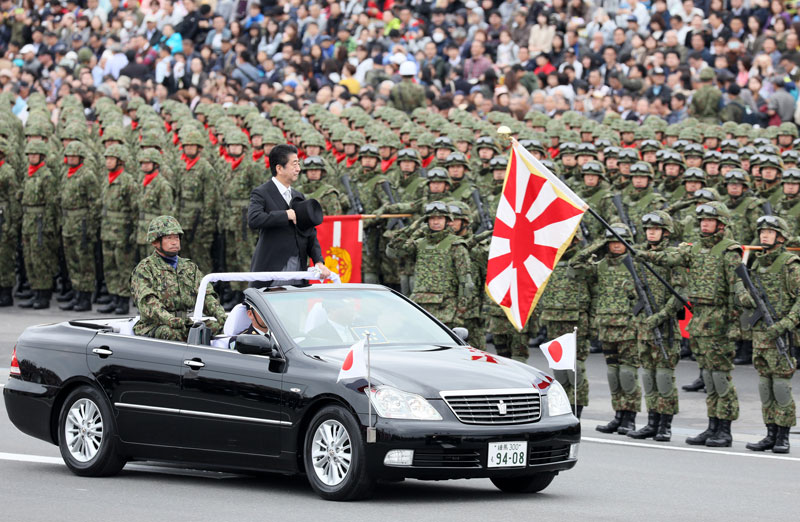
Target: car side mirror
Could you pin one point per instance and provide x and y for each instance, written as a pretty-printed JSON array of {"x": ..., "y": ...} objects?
[
  {"x": 255, "y": 344},
  {"x": 461, "y": 332}
]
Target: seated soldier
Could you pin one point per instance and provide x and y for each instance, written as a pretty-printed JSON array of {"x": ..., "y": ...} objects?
[{"x": 164, "y": 287}]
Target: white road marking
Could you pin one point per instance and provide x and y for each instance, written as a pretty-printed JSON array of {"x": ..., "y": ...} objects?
[
  {"x": 40, "y": 459},
  {"x": 679, "y": 448}
]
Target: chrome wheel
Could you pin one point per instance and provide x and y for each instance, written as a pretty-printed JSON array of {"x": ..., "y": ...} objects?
[
  {"x": 331, "y": 452},
  {"x": 83, "y": 430}
]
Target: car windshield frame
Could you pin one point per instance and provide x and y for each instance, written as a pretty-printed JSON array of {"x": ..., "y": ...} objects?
[{"x": 284, "y": 331}]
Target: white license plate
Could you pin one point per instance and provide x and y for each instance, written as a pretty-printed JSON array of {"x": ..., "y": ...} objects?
[{"x": 507, "y": 454}]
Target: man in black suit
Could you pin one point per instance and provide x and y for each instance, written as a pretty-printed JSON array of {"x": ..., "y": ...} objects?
[{"x": 284, "y": 242}]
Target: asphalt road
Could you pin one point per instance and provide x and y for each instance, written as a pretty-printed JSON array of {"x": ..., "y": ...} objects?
[{"x": 616, "y": 478}]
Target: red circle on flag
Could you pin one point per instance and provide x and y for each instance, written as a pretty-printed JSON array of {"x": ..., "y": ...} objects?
[
  {"x": 555, "y": 351},
  {"x": 348, "y": 361}
]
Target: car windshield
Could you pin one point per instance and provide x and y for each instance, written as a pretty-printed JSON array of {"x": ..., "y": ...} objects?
[{"x": 342, "y": 317}]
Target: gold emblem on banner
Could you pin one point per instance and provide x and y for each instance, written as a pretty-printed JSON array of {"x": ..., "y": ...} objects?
[{"x": 337, "y": 260}]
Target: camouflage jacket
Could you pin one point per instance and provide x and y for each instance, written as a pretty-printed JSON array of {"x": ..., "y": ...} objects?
[
  {"x": 745, "y": 210},
  {"x": 9, "y": 203},
  {"x": 236, "y": 189},
  {"x": 119, "y": 209},
  {"x": 778, "y": 273},
  {"x": 165, "y": 296},
  {"x": 80, "y": 194},
  {"x": 40, "y": 203},
  {"x": 407, "y": 96},
  {"x": 567, "y": 292},
  {"x": 334, "y": 202},
  {"x": 789, "y": 209},
  {"x": 197, "y": 198},
  {"x": 665, "y": 305},
  {"x": 155, "y": 199}
]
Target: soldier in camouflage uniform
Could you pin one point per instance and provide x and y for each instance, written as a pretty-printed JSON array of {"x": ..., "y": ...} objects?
[
  {"x": 442, "y": 147},
  {"x": 707, "y": 99},
  {"x": 777, "y": 273},
  {"x": 333, "y": 201},
  {"x": 485, "y": 150},
  {"x": 671, "y": 185},
  {"x": 10, "y": 215},
  {"x": 640, "y": 197},
  {"x": 744, "y": 206},
  {"x": 713, "y": 289},
  {"x": 411, "y": 184},
  {"x": 80, "y": 193},
  {"x": 117, "y": 225},
  {"x": 658, "y": 367},
  {"x": 789, "y": 207},
  {"x": 594, "y": 191},
  {"x": 770, "y": 170},
  {"x": 155, "y": 198},
  {"x": 165, "y": 287},
  {"x": 711, "y": 161},
  {"x": 693, "y": 180},
  {"x": 407, "y": 95},
  {"x": 443, "y": 283},
  {"x": 197, "y": 201},
  {"x": 610, "y": 286},
  {"x": 40, "y": 223},
  {"x": 564, "y": 306}
]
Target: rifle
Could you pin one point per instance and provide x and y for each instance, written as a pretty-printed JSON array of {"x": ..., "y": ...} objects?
[
  {"x": 767, "y": 208},
  {"x": 486, "y": 220},
  {"x": 764, "y": 310},
  {"x": 356, "y": 207},
  {"x": 623, "y": 214},
  {"x": 394, "y": 223},
  {"x": 586, "y": 235},
  {"x": 644, "y": 303}
]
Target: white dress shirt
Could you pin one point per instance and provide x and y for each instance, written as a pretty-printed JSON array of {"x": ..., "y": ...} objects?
[{"x": 285, "y": 191}]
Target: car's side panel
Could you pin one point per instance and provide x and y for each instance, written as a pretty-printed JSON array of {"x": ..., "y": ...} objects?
[{"x": 141, "y": 377}]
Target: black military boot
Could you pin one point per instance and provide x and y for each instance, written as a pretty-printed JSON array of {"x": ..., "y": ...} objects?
[
  {"x": 612, "y": 426},
  {"x": 123, "y": 305},
  {"x": 502, "y": 350},
  {"x": 722, "y": 438},
  {"x": 628, "y": 423},
  {"x": 578, "y": 411},
  {"x": 68, "y": 295},
  {"x": 6, "y": 297},
  {"x": 685, "y": 350},
  {"x": 110, "y": 307},
  {"x": 69, "y": 305},
  {"x": 745, "y": 355},
  {"x": 102, "y": 296},
  {"x": 649, "y": 429},
  {"x": 697, "y": 385},
  {"x": 664, "y": 433},
  {"x": 28, "y": 303},
  {"x": 767, "y": 442},
  {"x": 781, "y": 440},
  {"x": 83, "y": 303},
  {"x": 595, "y": 346},
  {"x": 42, "y": 300},
  {"x": 701, "y": 438},
  {"x": 24, "y": 291}
]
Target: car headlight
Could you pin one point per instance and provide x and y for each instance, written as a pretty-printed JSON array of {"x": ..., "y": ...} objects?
[
  {"x": 391, "y": 403},
  {"x": 557, "y": 400}
]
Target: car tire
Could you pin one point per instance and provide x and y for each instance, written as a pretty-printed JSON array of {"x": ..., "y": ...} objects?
[
  {"x": 87, "y": 434},
  {"x": 334, "y": 428},
  {"x": 524, "y": 484}
]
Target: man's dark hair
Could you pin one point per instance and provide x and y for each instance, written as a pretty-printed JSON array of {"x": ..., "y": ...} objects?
[
  {"x": 680, "y": 97},
  {"x": 280, "y": 156}
]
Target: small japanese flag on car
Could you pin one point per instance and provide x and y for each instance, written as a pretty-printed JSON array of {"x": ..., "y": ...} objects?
[
  {"x": 355, "y": 364},
  {"x": 560, "y": 352}
]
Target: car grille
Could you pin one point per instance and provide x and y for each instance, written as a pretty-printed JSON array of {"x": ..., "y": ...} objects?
[
  {"x": 547, "y": 454},
  {"x": 494, "y": 406},
  {"x": 446, "y": 458}
]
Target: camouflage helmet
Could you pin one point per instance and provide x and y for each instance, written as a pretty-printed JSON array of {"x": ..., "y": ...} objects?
[
  {"x": 353, "y": 138},
  {"x": 437, "y": 208},
  {"x": 368, "y": 151},
  {"x": 236, "y": 137},
  {"x": 152, "y": 139},
  {"x": 790, "y": 156},
  {"x": 76, "y": 148},
  {"x": 116, "y": 151},
  {"x": 314, "y": 163},
  {"x": 622, "y": 230},
  {"x": 746, "y": 152},
  {"x": 713, "y": 210},
  {"x": 567, "y": 148},
  {"x": 627, "y": 156},
  {"x": 193, "y": 138},
  {"x": 594, "y": 167},
  {"x": 498, "y": 162},
  {"x": 705, "y": 194},
  {"x": 694, "y": 174},
  {"x": 729, "y": 145},
  {"x": 5, "y": 146},
  {"x": 36, "y": 147},
  {"x": 439, "y": 174},
  {"x": 772, "y": 160},
  {"x": 426, "y": 139},
  {"x": 712, "y": 156},
  {"x": 740, "y": 176},
  {"x": 459, "y": 210},
  {"x": 787, "y": 129},
  {"x": 693, "y": 150},
  {"x": 730, "y": 158},
  {"x": 486, "y": 142},
  {"x": 586, "y": 149},
  {"x": 642, "y": 168},
  {"x": 444, "y": 142},
  {"x": 113, "y": 133},
  {"x": 457, "y": 158},
  {"x": 163, "y": 226},
  {"x": 409, "y": 155},
  {"x": 658, "y": 219},
  {"x": 150, "y": 155},
  {"x": 790, "y": 176},
  {"x": 775, "y": 223},
  {"x": 649, "y": 145},
  {"x": 313, "y": 139}
]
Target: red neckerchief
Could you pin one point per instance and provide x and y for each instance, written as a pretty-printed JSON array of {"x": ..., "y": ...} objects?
[
  {"x": 385, "y": 164},
  {"x": 301, "y": 155},
  {"x": 427, "y": 161},
  {"x": 134, "y": 124},
  {"x": 351, "y": 161},
  {"x": 167, "y": 126},
  {"x": 212, "y": 138},
  {"x": 189, "y": 162},
  {"x": 553, "y": 152},
  {"x": 100, "y": 132},
  {"x": 2, "y": 162},
  {"x": 247, "y": 132},
  {"x": 175, "y": 139},
  {"x": 65, "y": 160},
  {"x": 328, "y": 145},
  {"x": 629, "y": 145},
  {"x": 266, "y": 161},
  {"x": 338, "y": 155},
  {"x": 113, "y": 175},
  {"x": 33, "y": 168},
  {"x": 149, "y": 177},
  {"x": 223, "y": 153},
  {"x": 73, "y": 170},
  {"x": 235, "y": 162},
  {"x": 257, "y": 154}
]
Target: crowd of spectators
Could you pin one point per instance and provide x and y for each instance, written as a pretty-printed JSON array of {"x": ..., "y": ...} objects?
[{"x": 640, "y": 59}]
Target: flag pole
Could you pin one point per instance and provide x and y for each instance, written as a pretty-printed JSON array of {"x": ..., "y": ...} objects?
[
  {"x": 372, "y": 435},
  {"x": 575, "y": 386},
  {"x": 642, "y": 261}
]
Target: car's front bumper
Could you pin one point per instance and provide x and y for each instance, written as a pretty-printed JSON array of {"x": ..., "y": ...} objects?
[{"x": 450, "y": 450}]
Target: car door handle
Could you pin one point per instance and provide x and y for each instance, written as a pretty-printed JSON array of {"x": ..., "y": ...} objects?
[
  {"x": 102, "y": 351},
  {"x": 194, "y": 364}
]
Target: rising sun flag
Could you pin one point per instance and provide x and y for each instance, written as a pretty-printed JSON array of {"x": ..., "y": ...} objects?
[{"x": 536, "y": 219}]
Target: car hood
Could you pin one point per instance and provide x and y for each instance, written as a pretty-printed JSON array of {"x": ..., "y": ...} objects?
[{"x": 428, "y": 369}]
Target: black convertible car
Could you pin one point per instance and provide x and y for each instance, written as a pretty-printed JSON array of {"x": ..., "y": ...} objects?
[{"x": 440, "y": 409}]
